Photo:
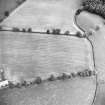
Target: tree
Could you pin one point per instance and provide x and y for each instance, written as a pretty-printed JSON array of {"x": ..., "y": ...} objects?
[
  {"x": 29, "y": 30},
  {"x": 56, "y": 31},
  {"x": 24, "y": 83},
  {"x": 73, "y": 75},
  {"x": 51, "y": 78},
  {"x": 23, "y": 30},
  {"x": 15, "y": 29},
  {"x": 48, "y": 31},
  {"x": 38, "y": 80},
  {"x": 64, "y": 76},
  {"x": 80, "y": 74},
  {"x": 11, "y": 85},
  {"x": 1, "y": 20},
  {"x": 18, "y": 85},
  {"x": 19, "y": 2},
  {"x": 79, "y": 11},
  {"x": 67, "y": 33},
  {"x": 78, "y": 34},
  {"x": 6, "y": 13}
]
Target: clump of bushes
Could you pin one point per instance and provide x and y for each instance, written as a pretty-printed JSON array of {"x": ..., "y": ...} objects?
[
  {"x": 52, "y": 78},
  {"x": 0, "y": 27},
  {"x": 18, "y": 85},
  {"x": 48, "y": 31},
  {"x": 23, "y": 30},
  {"x": 78, "y": 11},
  {"x": 53, "y": 31},
  {"x": 63, "y": 76},
  {"x": 29, "y": 30},
  {"x": 56, "y": 31},
  {"x": 15, "y": 29},
  {"x": 6, "y": 13},
  {"x": 19, "y": 2},
  {"x": 11, "y": 85},
  {"x": 1, "y": 20},
  {"x": 78, "y": 34},
  {"x": 38, "y": 80},
  {"x": 24, "y": 83},
  {"x": 67, "y": 33}
]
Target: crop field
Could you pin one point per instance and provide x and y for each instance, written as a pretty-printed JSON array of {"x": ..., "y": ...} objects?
[
  {"x": 30, "y": 55},
  {"x": 41, "y": 15}
]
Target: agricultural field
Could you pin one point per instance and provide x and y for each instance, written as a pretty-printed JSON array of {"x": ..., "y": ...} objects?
[
  {"x": 8, "y": 5},
  {"x": 28, "y": 55},
  {"x": 42, "y": 15},
  {"x": 25, "y": 55}
]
